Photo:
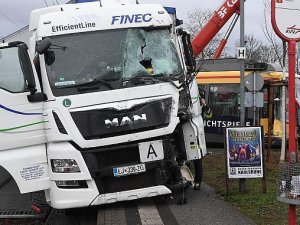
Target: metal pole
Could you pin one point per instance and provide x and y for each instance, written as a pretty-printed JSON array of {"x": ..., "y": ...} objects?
[
  {"x": 242, "y": 182},
  {"x": 292, "y": 118},
  {"x": 242, "y": 64},
  {"x": 254, "y": 98},
  {"x": 270, "y": 120},
  {"x": 283, "y": 118},
  {"x": 224, "y": 40}
]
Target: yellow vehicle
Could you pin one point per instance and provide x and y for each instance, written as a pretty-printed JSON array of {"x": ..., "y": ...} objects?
[{"x": 219, "y": 82}]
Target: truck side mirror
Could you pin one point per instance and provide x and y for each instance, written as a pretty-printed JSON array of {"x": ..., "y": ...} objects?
[
  {"x": 43, "y": 45},
  {"x": 26, "y": 67}
]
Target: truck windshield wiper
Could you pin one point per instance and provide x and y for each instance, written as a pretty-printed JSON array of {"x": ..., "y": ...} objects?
[
  {"x": 156, "y": 78},
  {"x": 92, "y": 84},
  {"x": 142, "y": 80},
  {"x": 170, "y": 79}
]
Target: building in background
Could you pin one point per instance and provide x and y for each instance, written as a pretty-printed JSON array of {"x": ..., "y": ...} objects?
[{"x": 22, "y": 34}]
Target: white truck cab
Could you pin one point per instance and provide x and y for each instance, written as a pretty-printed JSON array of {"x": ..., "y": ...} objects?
[
  {"x": 114, "y": 112},
  {"x": 22, "y": 131}
]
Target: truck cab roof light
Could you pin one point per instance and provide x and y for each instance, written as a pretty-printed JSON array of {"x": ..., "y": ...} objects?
[{"x": 170, "y": 10}]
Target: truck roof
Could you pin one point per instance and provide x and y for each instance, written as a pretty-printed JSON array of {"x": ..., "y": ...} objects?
[{"x": 92, "y": 16}]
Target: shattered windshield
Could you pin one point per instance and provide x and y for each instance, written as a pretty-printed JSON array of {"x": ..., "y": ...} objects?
[{"x": 110, "y": 55}]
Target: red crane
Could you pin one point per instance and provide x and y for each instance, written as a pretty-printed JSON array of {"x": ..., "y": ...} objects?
[{"x": 213, "y": 26}]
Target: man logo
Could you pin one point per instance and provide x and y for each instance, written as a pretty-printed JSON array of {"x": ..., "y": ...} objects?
[{"x": 126, "y": 120}]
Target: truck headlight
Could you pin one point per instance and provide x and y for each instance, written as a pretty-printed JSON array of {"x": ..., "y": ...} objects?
[
  {"x": 64, "y": 166},
  {"x": 71, "y": 184}
]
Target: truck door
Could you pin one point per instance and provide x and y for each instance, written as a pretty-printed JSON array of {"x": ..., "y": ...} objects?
[{"x": 22, "y": 130}]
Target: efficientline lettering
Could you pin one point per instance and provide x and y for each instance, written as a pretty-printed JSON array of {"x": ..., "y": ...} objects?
[{"x": 77, "y": 26}]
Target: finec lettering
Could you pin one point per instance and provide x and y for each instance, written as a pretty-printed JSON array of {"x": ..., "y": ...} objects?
[{"x": 135, "y": 18}]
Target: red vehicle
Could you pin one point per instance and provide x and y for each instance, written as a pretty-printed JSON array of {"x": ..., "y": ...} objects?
[{"x": 214, "y": 25}]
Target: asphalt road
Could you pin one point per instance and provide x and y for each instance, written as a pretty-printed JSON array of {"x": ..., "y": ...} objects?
[{"x": 203, "y": 207}]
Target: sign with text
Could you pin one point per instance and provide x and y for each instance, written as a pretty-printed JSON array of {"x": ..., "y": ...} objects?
[
  {"x": 241, "y": 53},
  {"x": 151, "y": 151},
  {"x": 285, "y": 18},
  {"x": 244, "y": 152}
]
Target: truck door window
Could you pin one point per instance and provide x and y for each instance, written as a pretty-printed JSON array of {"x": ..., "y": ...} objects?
[{"x": 11, "y": 75}]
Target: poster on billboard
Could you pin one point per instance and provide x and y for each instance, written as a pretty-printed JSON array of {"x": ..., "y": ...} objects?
[{"x": 244, "y": 152}]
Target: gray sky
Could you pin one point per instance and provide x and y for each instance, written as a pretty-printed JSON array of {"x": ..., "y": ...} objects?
[
  {"x": 254, "y": 12},
  {"x": 14, "y": 15}
]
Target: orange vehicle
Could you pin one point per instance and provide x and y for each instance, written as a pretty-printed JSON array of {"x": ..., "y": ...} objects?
[{"x": 219, "y": 82}]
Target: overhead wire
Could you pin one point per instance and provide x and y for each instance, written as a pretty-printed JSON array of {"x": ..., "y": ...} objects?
[
  {"x": 10, "y": 20},
  {"x": 14, "y": 23},
  {"x": 45, "y": 3}
]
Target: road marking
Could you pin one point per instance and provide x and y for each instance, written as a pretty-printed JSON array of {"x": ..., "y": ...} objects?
[
  {"x": 111, "y": 215},
  {"x": 100, "y": 216},
  {"x": 148, "y": 213}
]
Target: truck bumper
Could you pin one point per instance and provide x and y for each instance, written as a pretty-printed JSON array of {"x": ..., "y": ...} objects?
[
  {"x": 75, "y": 198},
  {"x": 100, "y": 184}
]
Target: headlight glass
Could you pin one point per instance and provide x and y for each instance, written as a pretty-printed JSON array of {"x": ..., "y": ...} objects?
[{"x": 64, "y": 166}]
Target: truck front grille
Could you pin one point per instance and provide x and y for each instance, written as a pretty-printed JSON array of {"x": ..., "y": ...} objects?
[
  {"x": 116, "y": 184},
  {"x": 101, "y": 161},
  {"x": 102, "y": 123}
]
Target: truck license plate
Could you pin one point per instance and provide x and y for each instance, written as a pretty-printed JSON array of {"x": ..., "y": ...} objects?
[{"x": 128, "y": 170}]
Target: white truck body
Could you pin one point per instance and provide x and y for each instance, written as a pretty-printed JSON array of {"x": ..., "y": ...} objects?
[{"x": 75, "y": 144}]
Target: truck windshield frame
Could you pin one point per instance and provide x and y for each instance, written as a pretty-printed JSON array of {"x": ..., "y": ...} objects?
[{"x": 111, "y": 55}]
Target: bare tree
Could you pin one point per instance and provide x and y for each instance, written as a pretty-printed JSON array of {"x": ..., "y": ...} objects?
[
  {"x": 259, "y": 51},
  {"x": 197, "y": 19},
  {"x": 268, "y": 54},
  {"x": 253, "y": 46},
  {"x": 275, "y": 51},
  {"x": 279, "y": 49}
]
